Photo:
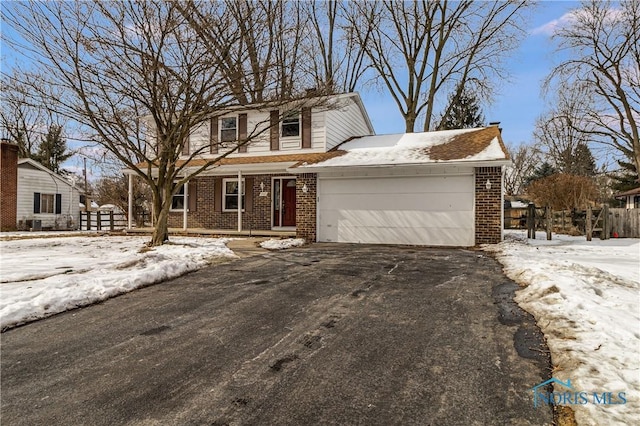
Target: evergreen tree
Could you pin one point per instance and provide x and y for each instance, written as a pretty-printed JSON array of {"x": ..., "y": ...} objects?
[
  {"x": 52, "y": 151},
  {"x": 582, "y": 162},
  {"x": 626, "y": 178},
  {"x": 462, "y": 112},
  {"x": 540, "y": 172}
]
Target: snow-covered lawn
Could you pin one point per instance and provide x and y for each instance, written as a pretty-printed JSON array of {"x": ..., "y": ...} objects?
[
  {"x": 43, "y": 276},
  {"x": 274, "y": 244},
  {"x": 585, "y": 297}
]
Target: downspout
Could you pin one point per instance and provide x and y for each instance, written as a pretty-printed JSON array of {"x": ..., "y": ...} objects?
[
  {"x": 239, "y": 201},
  {"x": 130, "y": 203}
]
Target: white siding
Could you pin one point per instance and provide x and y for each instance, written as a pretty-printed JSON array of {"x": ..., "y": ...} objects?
[
  {"x": 258, "y": 123},
  {"x": 343, "y": 121},
  {"x": 31, "y": 180},
  {"x": 199, "y": 139},
  {"x": 318, "y": 129}
]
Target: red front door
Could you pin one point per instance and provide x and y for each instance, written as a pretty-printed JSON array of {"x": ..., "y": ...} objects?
[{"x": 288, "y": 202}]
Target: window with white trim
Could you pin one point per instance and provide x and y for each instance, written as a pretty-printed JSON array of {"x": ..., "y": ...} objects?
[
  {"x": 177, "y": 201},
  {"x": 228, "y": 129},
  {"x": 290, "y": 126},
  {"x": 230, "y": 194},
  {"x": 46, "y": 203}
]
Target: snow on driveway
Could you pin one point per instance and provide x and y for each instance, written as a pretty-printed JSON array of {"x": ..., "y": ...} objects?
[
  {"x": 585, "y": 297},
  {"x": 43, "y": 276}
]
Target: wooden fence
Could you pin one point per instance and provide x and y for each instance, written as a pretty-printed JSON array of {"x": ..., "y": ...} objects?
[
  {"x": 603, "y": 222},
  {"x": 102, "y": 221}
]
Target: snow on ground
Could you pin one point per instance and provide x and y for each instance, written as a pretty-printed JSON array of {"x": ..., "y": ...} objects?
[
  {"x": 43, "y": 276},
  {"x": 273, "y": 244},
  {"x": 586, "y": 300}
]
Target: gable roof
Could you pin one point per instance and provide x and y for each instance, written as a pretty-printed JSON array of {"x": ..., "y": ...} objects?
[
  {"x": 34, "y": 164},
  {"x": 634, "y": 191},
  {"x": 479, "y": 145}
]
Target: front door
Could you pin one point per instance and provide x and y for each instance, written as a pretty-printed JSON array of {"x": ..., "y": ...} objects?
[{"x": 284, "y": 202}]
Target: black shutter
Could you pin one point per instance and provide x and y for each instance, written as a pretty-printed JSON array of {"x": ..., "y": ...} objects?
[
  {"x": 58, "y": 203},
  {"x": 36, "y": 202}
]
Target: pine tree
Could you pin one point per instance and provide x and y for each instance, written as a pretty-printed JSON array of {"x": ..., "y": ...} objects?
[
  {"x": 582, "y": 162},
  {"x": 462, "y": 112},
  {"x": 543, "y": 171},
  {"x": 626, "y": 178},
  {"x": 52, "y": 151}
]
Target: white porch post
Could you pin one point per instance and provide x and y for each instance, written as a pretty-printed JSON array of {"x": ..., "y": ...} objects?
[
  {"x": 185, "y": 202},
  {"x": 239, "y": 201},
  {"x": 130, "y": 205}
]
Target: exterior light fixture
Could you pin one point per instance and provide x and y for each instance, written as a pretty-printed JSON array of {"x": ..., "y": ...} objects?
[
  {"x": 488, "y": 184},
  {"x": 304, "y": 188}
]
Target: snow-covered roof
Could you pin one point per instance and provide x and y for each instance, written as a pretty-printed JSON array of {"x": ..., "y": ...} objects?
[{"x": 447, "y": 146}]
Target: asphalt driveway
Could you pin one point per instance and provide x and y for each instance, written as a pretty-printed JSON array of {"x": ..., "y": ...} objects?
[{"x": 329, "y": 334}]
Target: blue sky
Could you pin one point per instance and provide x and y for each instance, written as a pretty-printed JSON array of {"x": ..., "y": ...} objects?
[{"x": 519, "y": 101}]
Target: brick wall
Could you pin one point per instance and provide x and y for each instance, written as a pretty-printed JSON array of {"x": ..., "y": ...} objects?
[
  {"x": 205, "y": 216},
  {"x": 489, "y": 205},
  {"x": 8, "y": 186},
  {"x": 306, "y": 206}
]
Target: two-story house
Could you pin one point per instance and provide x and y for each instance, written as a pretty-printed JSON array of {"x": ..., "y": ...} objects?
[{"x": 322, "y": 173}]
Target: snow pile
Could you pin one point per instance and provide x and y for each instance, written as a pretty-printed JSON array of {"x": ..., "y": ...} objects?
[
  {"x": 44, "y": 276},
  {"x": 585, "y": 298},
  {"x": 282, "y": 244}
]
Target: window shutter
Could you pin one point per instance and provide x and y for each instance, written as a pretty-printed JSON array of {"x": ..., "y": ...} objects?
[
  {"x": 242, "y": 131},
  {"x": 306, "y": 127},
  {"x": 217, "y": 195},
  {"x": 192, "y": 195},
  {"x": 36, "y": 202},
  {"x": 274, "y": 134},
  {"x": 213, "y": 135},
  {"x": 248, "y": 194},
  {"x": 58, "y": 203}
]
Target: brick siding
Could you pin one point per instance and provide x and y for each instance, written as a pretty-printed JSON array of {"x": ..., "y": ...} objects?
[
  {"x": 8, "y": 186},
  {"x": 306, "y": 206},
  {"x": 205, "y": 216},
  {"x": 489, "y": 205}
]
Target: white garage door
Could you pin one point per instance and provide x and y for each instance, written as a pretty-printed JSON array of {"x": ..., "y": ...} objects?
[{"x": 433, "y": 210}]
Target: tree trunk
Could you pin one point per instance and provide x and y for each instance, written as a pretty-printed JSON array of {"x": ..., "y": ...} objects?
[
  {"x": 161, "y": 221},
  {"x": 410, "y": 123}
]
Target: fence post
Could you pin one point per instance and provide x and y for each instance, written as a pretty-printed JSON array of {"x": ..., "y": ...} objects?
[
  {"x": 588, "y": 223},
  {"x": 111, "y": 225},
  {"x": 88, "y": 220},
  {"x": 99, "y": 220},
  {"x": 549, "y": 220},
  {"x": 531, "y": 221}
]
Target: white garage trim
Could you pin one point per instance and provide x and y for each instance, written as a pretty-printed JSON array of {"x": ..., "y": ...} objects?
[{"x": 434, "y": 209}]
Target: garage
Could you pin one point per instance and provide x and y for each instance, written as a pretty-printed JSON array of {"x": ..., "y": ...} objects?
[{"x": 416, "y": 210}]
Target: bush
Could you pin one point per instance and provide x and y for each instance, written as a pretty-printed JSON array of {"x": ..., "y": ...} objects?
[{"x": 563, "y": 191}]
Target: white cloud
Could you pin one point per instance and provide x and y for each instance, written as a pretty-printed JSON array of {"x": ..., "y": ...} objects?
[{"x": 551, "y": 27}]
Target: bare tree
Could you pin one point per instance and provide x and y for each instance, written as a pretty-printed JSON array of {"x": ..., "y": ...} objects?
[
  {"x": 602, "y": 47},
  {"x": 564, "y": 143},
  {"x": 337, "y": 60},
  {"x": 422, "y": 49},
  {"x": 139, "y": 78},
  {"x": 22, "y": 121},
  {"x": 525, "y": 159}
]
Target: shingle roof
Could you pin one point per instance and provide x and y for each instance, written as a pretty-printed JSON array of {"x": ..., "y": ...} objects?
[
  {"x": 462, "y": 145},
  {"x": 634, "y": 191}
]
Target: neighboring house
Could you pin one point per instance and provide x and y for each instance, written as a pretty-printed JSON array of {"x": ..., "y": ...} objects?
[
  {"x": 322, "y": 174},
  {"x": 39, "y": 198},
  {"x": 631, "y": 198}
]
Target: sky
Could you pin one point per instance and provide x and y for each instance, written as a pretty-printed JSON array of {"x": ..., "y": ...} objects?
[{"x": 519, "y": 101}]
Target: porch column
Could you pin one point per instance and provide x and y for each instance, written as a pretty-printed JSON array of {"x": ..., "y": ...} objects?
[
  {"x": 130, "y": 205},
  {"x": 185, "y": 202},
  {"x": 239, "y": 201}
]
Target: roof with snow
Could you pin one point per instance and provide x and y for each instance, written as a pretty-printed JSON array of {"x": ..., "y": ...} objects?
[
  {"x": 634, "y": 191},
  {"x": 448, "y": 146}
]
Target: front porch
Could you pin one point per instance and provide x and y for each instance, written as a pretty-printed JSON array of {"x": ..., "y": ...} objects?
[{"x": 218, "y": 232}]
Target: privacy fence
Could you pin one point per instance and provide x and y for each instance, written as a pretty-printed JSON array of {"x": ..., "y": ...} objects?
[{"x": 602, "y": 222}]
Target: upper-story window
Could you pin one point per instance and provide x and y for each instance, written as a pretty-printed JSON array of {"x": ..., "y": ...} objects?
[
  {"x": 228, "y": 129},
  {"x": 291, "y": 125}
]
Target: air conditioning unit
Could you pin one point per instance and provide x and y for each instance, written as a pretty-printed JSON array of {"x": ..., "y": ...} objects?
[{"x": 37, "y": 225}]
